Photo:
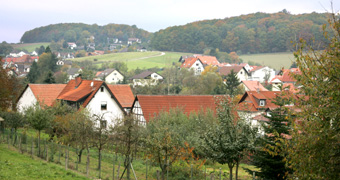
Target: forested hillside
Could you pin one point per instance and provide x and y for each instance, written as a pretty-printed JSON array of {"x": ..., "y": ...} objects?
[
  {"x": 78, "y": 32},
  {"x": 252, "y": 33}
]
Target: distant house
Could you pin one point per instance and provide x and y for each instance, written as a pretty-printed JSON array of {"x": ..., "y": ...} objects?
[
  {"x": 110, "y": 76},
  {"x": 73, "y": 73},
  {"x": 133, "y": 40},
  {"x": 146, "y": 107},
  {"x": 253, "y": 86},
  {"x": 261, "y": 73},
  {"x": 284, "y": 76},
  {"x": 146, "y": 78},
  {"x": 34, "y": 53},
  {"x": 240, "y": 71},
  {"x": 45, "y": 94},
  {"x": 72, "y": 45},
  {"x": 198, "y": 62}
]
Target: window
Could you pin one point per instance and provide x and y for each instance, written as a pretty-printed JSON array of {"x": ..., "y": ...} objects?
[
  {"x": 102, "y": 89},
  {"x": 262, "y": 102},
  {"x": 197, "y": 64},
  {"x": 114, "y": 73},
  {"x": 103, "y": 124},
  {"x": 103, "y": 105},
  {"x": 155, "y": 76}
]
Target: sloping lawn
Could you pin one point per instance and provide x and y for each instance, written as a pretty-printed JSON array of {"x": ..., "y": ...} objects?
[{"x": 14, "y": 165}]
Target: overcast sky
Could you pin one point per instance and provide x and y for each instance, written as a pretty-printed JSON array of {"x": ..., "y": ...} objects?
[{"x": 18, "y": 16}]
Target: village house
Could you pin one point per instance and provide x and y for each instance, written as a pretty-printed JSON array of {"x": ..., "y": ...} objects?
[
  {"x": 253, "y": 86},
  {"x": 146, "y": 78},
  {"x": 110, "y": 76},
  {"x": 97, "y": 98},
  {"x": 111, "y": 101},
  {"x": 285, "y": 78},
  {"x": 133, "y": 40},
  {"x": 146, "y": 107},
  {"x": 72, "y": 45},
  {"x": 198, "y": 62},
  {"x": 261, "y": 73},
  {"x": 73, "y": 73},
  {"x": 240, "y": 71},
  {"x": 45, "y": 94}
]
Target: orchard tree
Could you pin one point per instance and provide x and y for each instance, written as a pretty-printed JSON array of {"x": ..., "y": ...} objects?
[
  {"x": 227, "y": 140},
  {"x": 39, "y": 119},
  {"x": 314, "y": 151}
]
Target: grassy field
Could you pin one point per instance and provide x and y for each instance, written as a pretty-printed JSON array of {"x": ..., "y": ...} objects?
[
  {"x": 274, "y": 60},
  {"x": 137, "y": 59},
  {"x": 30, "y": 47},
  {"x": 14, "y": 165}
]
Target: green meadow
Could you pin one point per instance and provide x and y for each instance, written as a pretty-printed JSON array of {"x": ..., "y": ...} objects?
[
  {"x": 30, "y": 47},
  {"x": 274, "y": 60}
]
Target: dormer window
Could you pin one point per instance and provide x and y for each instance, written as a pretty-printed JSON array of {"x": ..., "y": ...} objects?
[{"x": 262, "y": 102}]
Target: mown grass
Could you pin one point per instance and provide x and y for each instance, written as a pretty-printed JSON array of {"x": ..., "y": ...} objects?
[
  {"x": 134, "y": 60},
  {"x": 274, "y": 60},
  {"x": 14, "y": 165},
  {"x": 30, "y": 47}
]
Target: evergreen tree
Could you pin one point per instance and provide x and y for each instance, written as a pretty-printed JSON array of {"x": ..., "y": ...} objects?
[
  {"x": 34, "y": 73},
  {"x": 232, "y": 83},
  {"x": 48, "y": 50},
  {"x": 49, "y": 78},
  {"x": 268, "y": 156}
]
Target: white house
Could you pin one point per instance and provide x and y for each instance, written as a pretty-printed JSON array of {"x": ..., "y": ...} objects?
[
  {"x": 198, "y": 62},
  {"x": 146, "y": 78},
  {"x": 110, "y": 76},
  {"x": 240, "y": 71},
  {"x": 45, "y": 94},
  {"x": 73, "y": 73},
  {"x": 72, "y": 45},
  {"x": 261, "y": 73},
  {"x": 34, "y": 53}
]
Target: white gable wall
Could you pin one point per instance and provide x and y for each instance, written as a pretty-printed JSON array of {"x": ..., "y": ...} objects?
[
  {"x": 27, "y": 99},
  {"x": 197, "y": 67},
  {"x": 138, "y": 113},
  {"x": 113, "y": 110},
  {"x": 259, "y": 74},
  {"x": 242, "y": 75},
  {"x": 114, "y": 77}
]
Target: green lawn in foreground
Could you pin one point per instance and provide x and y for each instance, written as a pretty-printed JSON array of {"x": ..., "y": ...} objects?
[
  {"x": 30, "y": 47},
  {"x": 14, "y": 165},
  {"x": 274, "y": 60}
]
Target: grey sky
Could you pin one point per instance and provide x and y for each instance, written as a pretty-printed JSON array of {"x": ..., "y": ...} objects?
[{"x": 18, "y": 16}]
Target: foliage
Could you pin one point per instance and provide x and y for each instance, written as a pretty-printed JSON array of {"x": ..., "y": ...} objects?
[
  {"x": 49, "y": 79},
  {"x": 269, "y": 156},
  {"x": 13, "y": 119},
  {"x": 232, "y": 82},
  {"x": 227, "y": 140},
  {"x": 9, "y": 91},
  {"x": 252, "y": 33},
  {"x": 314, "y": 149},
  {"x": 5, "y": 48},
  {"x": 87, "y": 74}
]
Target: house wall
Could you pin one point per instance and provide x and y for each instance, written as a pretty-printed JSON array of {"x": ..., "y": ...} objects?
[
  {"x": 27, "y": 99},
  {"x": 113, "y": 111},
  {"x": 114, "y": 77},
  {"x": 197, "y": 67},
  {"x": 260, "y": 74},
  {"x": 138, "y": 113},
  {"x": 242, "y": 75}
]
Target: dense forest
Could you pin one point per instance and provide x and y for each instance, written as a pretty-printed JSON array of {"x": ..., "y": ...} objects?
[
  {"x": 252, "y": 33},
  {"x": 79, "y": 33}
]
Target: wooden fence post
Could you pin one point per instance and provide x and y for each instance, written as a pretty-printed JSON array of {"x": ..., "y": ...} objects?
[
  {"x": 146, "y": 169},
  {"x": 66, "y": 158},
  {"x": 113, "y": 169},
  {"x": 118, "y": 170}
]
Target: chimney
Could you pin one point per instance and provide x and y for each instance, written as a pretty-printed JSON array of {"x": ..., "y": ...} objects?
[
  {"x": 258, "y": 90},
  {"x": 78, "y": 81}
]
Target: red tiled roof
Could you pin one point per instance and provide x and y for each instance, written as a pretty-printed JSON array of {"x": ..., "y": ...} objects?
[
  {"x": 123, "y": 94},
  {"x": 46, "y": 93},
  {"x": 255, "y": 68},
  {"x": 254, "y": 85},
  {"x": 287, "y": 75},
  {"x": 188, "y": 62},
  {"x": 291, "y": 87},
  {"x": 225, "y": 70},
  {"x": 153, "y": 104},
  {"x": 75, "y": 90},
  {"x": 208, "y": 60}
]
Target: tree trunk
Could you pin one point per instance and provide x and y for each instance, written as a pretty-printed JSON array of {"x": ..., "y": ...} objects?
[
  {"x": 39, "y": 143},
  {"x": 230, "y": 172},
  {"x": 99, "y": 162},
  {"x": 88, "y": 162},
  {"x": 236, "y": 175},
  {"x": 79, "y": 155},
  {"x": 128, "y": 168}
]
